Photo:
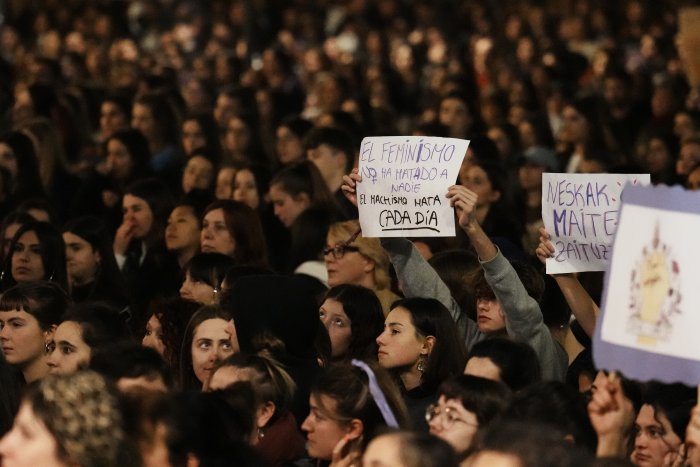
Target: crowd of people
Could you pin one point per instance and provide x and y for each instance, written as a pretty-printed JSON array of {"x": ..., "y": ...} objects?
[{"x": 184, "y": 280}]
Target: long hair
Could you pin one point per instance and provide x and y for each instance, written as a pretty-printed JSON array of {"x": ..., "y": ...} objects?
[
  {"x": 431, "y": 318},
  {"x": 244, "y": 226},
  {"x": 303, "y": 177},
  {"x": 45, "y": 301},
  {"x": 188, "y": 380},
  {"x": 51, "y": 249},
  {"x": 159, "y": 199}
]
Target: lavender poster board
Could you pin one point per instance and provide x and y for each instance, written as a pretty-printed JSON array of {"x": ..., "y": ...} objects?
[{"x": 650, "y": 314}]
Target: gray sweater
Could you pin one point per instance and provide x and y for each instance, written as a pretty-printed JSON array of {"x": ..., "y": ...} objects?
[{"x": 522, "y": 313}]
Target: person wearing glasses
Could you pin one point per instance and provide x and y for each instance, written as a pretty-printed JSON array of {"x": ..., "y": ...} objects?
[
  {"x": 466, "y": 404},
  {"x": 353, "y": 259}
]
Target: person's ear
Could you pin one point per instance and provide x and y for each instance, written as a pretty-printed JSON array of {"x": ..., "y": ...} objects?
[
  {"x": 98, "y": 257},
  {"x": 356, "y": 429},
  {"x": 428, "y": 345},
  {"x": 265, "y": 413},
  {"x": 369, "y": 265},
  {"x": 495, "y": 196}
]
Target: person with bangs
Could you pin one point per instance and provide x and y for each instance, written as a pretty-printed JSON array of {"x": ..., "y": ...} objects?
[{"x": 204, "y": 275}]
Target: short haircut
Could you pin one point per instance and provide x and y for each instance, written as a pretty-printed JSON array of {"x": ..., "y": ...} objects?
[
  {"x": 337, "y": 139},
  {"x": 517, "y": 361},
  {"x": 131, "y": 360}
]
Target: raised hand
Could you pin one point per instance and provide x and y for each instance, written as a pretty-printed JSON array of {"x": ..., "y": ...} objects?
[
  {"x": 123, "y": 236},
  {"x": 464, "y": 201},
  {"x": 611, "y": 414},
  {"x": 545, "y": 249},
  {"x": 350, "y": 182},
  {"x": 343, "y": 455}
]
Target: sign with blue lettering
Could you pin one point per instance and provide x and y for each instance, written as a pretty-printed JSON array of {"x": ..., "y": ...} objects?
[
  {"x": 404, "y": 182},
  {"x": 649, "y": 317},
  {"x": 580, "y": 214}
]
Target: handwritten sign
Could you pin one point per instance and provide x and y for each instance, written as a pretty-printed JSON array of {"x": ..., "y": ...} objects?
[
  {"x": 404, "y": 182},
  {"x": 580, "y": 213},
  {"x": 650, "y": 311}
]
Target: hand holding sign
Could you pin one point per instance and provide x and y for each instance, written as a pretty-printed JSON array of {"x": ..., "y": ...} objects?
[
  {"x": 350, "y": 181},
  {"x": 464, "y": 201}
]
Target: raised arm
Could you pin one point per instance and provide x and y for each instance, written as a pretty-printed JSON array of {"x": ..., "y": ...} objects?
[{"x": 582, "y": 305}]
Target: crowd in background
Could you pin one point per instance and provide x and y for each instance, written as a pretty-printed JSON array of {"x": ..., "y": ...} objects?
[{"x": 184, "y": 278}]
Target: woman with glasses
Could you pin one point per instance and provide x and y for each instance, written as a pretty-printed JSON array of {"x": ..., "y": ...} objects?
[
  {"x": 353, "y": 259},
  {"x": 465, "y": 404}
]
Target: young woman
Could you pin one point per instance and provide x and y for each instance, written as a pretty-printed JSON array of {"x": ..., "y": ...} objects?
[
  {"x": 199, "y": 171},
  {"x": 205, "y": 343},
  {"x": 29, "y": 315},
  {"x": 296, "y": 188},
  {"x": 353, "y": 316},
  {"x": 233, "y": 229},
  {"x": 18, "y": 156},
  {"x": 290, "y": 135},
  {"x": 139, "y": 246},
  {"x": 37, "y": 253},
  {"x": 154, "y": 116},
  {"x": 199, "y": 131},
  {"x": 165, "y": 329},
  {"x": 93, "y": 273},
  {"x": 9, "y": 227},
  {"x": 185, "y": 225},
  {"x": 66, "y": 420},
  {"x": 409, "y": 449},
  {"x": 85, "y": 329},
  {"x": 353, "y": 259},
  {"x": 350, "y": 404},
  {"x": 277, "y": 439},
  {"x": 465, "y": 404},
  {"x": 422, "y": 348},
  {"x": 204, "y": 274}
]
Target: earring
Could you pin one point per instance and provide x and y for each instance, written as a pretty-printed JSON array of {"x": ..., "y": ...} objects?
[
  {"x": 421, "y": 364},
  {"x": 261, "y": 433}
]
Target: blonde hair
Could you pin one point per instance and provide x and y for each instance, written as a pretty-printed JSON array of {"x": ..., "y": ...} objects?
[{"x": 369, "y": 247}]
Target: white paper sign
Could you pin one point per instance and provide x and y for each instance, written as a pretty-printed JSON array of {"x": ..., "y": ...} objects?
[
  {"x": 404, "y": 182},
  {"x": 580, "y": 214}
]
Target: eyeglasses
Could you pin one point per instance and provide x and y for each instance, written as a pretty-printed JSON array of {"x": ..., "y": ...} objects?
[
  {"x": 433, "y": 411},
  {"x": 339, "y": 250}
]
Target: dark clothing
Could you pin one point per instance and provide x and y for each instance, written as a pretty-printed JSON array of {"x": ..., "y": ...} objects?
[
  {"x": 281, "y": 442},
  {"x": 417, "y": 401}
]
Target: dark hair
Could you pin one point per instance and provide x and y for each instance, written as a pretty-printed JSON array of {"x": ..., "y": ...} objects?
[
  {"x": 297, "y": 125},
  {"x": 270, "y": 381},
  {"x": 431, "y": 318},
  {"x": 109, "y": 277},
  {"x": 137, "y": 147},
  {"x": 209, "y": 129},
  {"x": 485, "y": 398},
  {"x": 15, "y": 217},
  {"x": 164, "y": 116},
  {"x": 52, "y": 251},
  {"x": 348, "y": 385},
  {"x": 197, "y": 200},
  {"x": 456, "y": 268},
  {"x": 303, "y": 177},
  {"x": 554, "y": 404},
  {"x": 131, "y": 360},
  {"x": 363, "y": 308},
  {"x": 246, "y": 230},
  {"x": 336, "y": 138},
  {"x": 260, "y": 174},
  {"x": 159, "y": 199},
  {"x": 101, "y": 325},
  {"x": 516, "y": 361},
  {"x": 308, "y": 236},
  {"x": 45, "y": 301},
  {"x": 209, "y": 268},
  {"x": 188, "y": 380},
  {"x": 120, "y": 100},
  {"x": 424, "y": 450},
  {"x": 675, "y": 401},
  {"x": 173, "y": 313},
  {"x": 531, "y": 279},
  {"x": 38, "y": 204}
]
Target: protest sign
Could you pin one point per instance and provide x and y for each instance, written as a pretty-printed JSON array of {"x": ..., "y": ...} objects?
[
  {"x": 648, "y": 326},
  {"x": 580, "y": 214},
  {"x": 404, "y": 183}
]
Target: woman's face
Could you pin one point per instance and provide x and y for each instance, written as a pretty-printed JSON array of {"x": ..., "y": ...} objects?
[
  {"x": 453, "y": 423},
  {"x": 8, "y": 235},
  {"x": 210, "y": 344},
  {"x": 575, "y": 125},
  {"x": 224, "y": 183},
  {"x": 119, "y": 161},
  {"x": 477, "y": 180},
  {"x": 352, "y": 268},
  {"x": 29, "y": 443},
  {"x": 112, "y": 119},
  {"x": 192, "y": 136},
  {"x": 27, "y": 264},
  {"x": 198, "y": 174},
  {"x": 142, "y": 120},
  {"x": 384, "y": 451},
  {"x": 8, "y": 159},
  {"x": 399, "y": 343},
  {"x": 183, "y": 230},
  {"x": 287, "y": 207},
  {"x": 137, "y": 213},
  {"x": 338, "y": 325},
  {"x": 237, "y": 136},
  {"x": 245, "y": 189},
  {"x": 322, "y": 427},
  {"x": 197, "y": 291},
  {"x": 21, "y": 338},
  {"x": 454, "y": 114},
  {"x": 289, "y": 147},
  {"x": 215, "y": 236},
  {"x": 69, "y": 352},
  {"x": 154, "y": 335},
  {"x": 82, "y": 259},
  {"x": 654, "y": 438},
  {"x": 657, "y": 156}
]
